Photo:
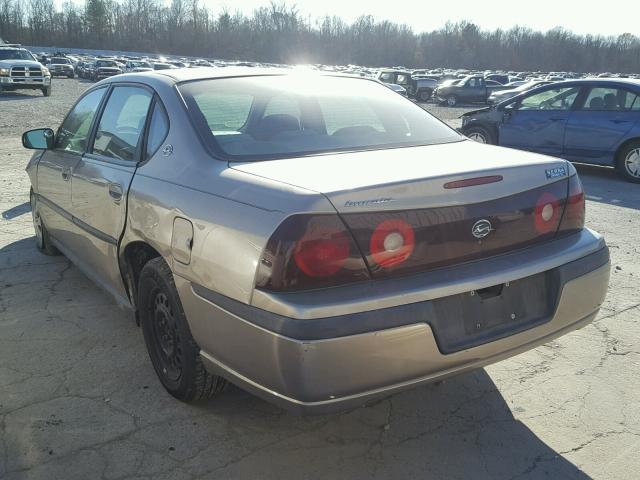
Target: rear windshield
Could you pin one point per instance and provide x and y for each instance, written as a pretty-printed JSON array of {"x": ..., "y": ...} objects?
[{"x": 262, "y": 117}]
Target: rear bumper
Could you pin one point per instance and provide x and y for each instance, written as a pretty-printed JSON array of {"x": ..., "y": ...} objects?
[{"x": 324, "y": 370}]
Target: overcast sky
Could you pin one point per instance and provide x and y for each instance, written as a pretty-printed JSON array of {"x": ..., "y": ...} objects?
[
  {"x": 423, "y": 15},
  {"x": 612, "y": 18}
]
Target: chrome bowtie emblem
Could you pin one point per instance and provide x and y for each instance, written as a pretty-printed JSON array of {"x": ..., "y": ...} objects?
[{"x": 481, "y": 228}]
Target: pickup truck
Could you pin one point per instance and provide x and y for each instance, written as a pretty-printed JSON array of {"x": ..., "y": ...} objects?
[
  {"x": 470, "y": 89},
  {"x": 419, "y": 88},
  {"x": 19, "y": 70}
]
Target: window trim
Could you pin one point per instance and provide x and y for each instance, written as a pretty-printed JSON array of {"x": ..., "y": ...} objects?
[{"x": 115, "y": 161}]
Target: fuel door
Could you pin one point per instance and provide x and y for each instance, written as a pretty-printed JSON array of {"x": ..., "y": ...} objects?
[{"x": 182, "y": 240}]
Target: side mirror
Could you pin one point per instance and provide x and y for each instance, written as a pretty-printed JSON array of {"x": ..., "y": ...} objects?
[{"x": 38, "y": 139}]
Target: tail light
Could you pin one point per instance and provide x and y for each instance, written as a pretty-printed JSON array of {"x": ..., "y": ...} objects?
[
  {"x": 574, "y": 212},
  {"x": 392, "y": 242},
  {"x": 547, "y": 213},
  {"x": 310, "y": 251}
]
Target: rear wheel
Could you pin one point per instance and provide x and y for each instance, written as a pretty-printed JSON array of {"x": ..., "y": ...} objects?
[
  {"x": 628, "y": 162},
  {"x": 452, "y": 100},
  {"x": 43, "y": 242},
  {"x": 424, "y": 95},
  {"x": 173, "y": 351},
  {"x": 480, "y": 134}
]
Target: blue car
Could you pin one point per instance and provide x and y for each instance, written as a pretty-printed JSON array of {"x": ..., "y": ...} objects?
[{"x": 593, "y": 121}]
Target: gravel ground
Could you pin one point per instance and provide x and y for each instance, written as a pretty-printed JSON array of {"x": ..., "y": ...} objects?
[{"x": 79, "y": 398}]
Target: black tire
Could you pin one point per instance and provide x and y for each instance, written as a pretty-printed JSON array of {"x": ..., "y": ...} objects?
[
  {"x": 71, "y": 76},
  {"x": 46, "y": 91},
  {"x": 628, "y": 162},
  {"x": 43, "y": 241},
  {"x": 480, "y": 134},
  {"x": 424, "y": 95},
  {"x": 452, "y": 101},
  {"x": 173, "y": 352}
]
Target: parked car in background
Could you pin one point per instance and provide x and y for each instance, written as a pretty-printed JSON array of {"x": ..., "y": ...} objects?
[
  {"x": 104, "y": 69},
  {"x": 134, "y": 66},
  {"x": 163, "y": 66},
  {"x": 588, "y": 121},
  {"x": 471, "y": 89},
  {"x": 502, "y": 95},
  {"x": 275, "y": 235},
  {"x": 61, "y": 67},
  {"x": 19, "y": 70},
  {"x": 416, "y": 87}
]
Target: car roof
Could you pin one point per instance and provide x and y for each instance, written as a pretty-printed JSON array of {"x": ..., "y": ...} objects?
[
  {"x": 630, "y": 82},
  {"x": 180, "y": 75}
]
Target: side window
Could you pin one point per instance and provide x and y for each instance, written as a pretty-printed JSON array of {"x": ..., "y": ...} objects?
[
  {"x": 552, "y": 99},
  {"x": 632, "y": 102},
  {"x": 601, "y": 98},
  {"x": 122, "y": 123},
  {"x": 386, "y": 77},
  {"x": 73, "y": 135},
  {"x": 158, "y": 129}
]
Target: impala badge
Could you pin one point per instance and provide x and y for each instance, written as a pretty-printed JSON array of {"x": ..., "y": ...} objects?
[{"x": 481, "y": 228}]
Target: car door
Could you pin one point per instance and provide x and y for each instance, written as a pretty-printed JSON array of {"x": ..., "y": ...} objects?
[
  {"x": 56, "y": 166},
  {"x": 595, "y": 130},
  {"x": 101, "y": 181},
  {"x": 537, "y": 121},
  {"x": 472, "y": 90}
]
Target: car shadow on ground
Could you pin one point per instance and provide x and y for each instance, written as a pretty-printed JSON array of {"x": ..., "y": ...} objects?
[
  {"x": 604, "y": 185},
  {"x": 16, "y": 211},
  {"x": 21, "y": 95},
  {"x": 459, "y": 429}
]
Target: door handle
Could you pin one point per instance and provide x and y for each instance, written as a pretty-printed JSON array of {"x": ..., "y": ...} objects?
[
  {"x": 66, "y": 174},
  {"x": 115, "y": 192}
]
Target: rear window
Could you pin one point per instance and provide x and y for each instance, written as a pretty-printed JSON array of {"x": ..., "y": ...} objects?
[{"x": 254, "y": 118}]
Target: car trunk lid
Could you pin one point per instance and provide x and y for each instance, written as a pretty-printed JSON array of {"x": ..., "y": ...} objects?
[{"x": 426, "y": 207}]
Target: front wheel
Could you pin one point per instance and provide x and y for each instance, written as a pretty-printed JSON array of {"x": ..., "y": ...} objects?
[
  {"x": 173, "y": 351},
  {"x": 43, "y": 242},
  {"x": 452, "y": 100},
  {"x": 46, "y": 91},
  {"x": 628, "y": 162},
  {"x": 480, "y": 135}
]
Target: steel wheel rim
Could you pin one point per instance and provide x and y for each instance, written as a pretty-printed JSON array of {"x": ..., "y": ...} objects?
[
  {"x": 166, "y": 337},
  {"x": 451, "y": 101},
  {"x": 632, "y": 163},
  {"x": 477, "y": 137}
]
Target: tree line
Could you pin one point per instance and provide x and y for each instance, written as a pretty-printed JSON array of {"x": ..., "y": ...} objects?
[{"x": 279, "y": 33}]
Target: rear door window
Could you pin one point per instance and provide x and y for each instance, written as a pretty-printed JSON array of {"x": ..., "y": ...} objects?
[{"x": 611, "y": 99}]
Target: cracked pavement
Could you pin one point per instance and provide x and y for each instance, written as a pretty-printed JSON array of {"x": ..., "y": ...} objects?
[{"x": 79, "y": 398}]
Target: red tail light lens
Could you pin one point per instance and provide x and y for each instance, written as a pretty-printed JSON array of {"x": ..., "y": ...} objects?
[
  {"x": 310, "y": 251},
  {"x": 547, "y": 213},
  {"x": 322, "y": 255},
  {"x": 392, "y": 242},
  {"x": 574, "y": 212}
]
